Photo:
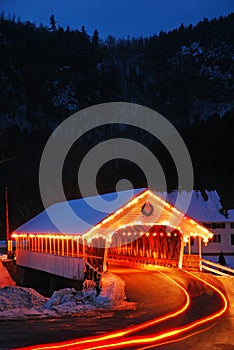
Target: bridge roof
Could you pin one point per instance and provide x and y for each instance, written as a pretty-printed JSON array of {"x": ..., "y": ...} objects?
[
  {"x": 85, "y": 210},
  {"x": 120, "y": 209},
  {"x": 147, "y": 208}
]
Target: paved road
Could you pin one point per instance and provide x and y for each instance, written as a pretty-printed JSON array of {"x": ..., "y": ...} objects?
[
  {"x": 155, "y": 295},
  {"x": 150, "y": 290},
  {"x": 217, "y": 335}
]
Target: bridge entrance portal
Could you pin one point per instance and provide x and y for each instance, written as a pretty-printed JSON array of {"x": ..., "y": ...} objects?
[{"x": 156, "y": 244}]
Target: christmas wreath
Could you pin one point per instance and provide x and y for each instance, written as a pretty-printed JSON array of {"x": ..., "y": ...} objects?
[{"x": 147, "y": 209}]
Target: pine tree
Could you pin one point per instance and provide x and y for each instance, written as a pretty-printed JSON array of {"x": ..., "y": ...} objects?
[
  {"x": 95, "y": 38},
  {"x": 83, "y": 30},
  {"x": 52, "y": 24}
]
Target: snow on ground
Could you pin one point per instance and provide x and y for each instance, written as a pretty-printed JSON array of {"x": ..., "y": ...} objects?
[
  {"x": 5, "y": 278},
  {"x": 19, "y": 297},
  {"x": 229, "y": 259},
  {"x": 228, "y": 283},
  {"x": 113, "y": 293},
  {"x": 68, "y": 300},
  {"x": 20, "y": 302}
]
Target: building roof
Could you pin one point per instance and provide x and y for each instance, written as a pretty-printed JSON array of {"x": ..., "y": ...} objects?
[
  {"x": 201, "y": 209},
  {"x": 231, "y": 215}
]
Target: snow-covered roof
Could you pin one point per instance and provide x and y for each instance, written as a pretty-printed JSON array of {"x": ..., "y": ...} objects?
[
  {"x": 231, "y": 215},
  {"x": 84, "y": 210},
  {"x": 201, "y": 209}
]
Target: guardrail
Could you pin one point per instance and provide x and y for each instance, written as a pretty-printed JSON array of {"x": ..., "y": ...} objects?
[{"x": 216, "y": 268}]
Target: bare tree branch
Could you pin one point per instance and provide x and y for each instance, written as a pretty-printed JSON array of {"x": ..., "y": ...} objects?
[{"x": 3, "y": 160}]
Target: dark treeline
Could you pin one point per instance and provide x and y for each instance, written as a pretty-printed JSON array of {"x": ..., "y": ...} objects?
[{"x": 47, "y": 74}]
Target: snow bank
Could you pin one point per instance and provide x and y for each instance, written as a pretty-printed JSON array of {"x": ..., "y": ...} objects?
[
  {"x": 17, "y": 302},
  {"x": 113, "y": 293},
  {"x": 228, "y": 283},
  {"x": 70, "y": 301},
  {"x": 19, "y": 297},
  {"x": 5, "y": 278},
  {"x": 229, "y": 259},
  {"x": 20, "y": 302}
]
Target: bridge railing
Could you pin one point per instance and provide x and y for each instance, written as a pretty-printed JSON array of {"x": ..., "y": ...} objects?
[
  {"x": 91, "y": 273},
  {"x": 218, "y": 269},
  {"x": 144, "y": 260},
  {"x": 191, "y": 261}
]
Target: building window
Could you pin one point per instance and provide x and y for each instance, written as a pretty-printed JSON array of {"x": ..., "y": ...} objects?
[
  {"x": 207, "y": 225},
  {"x": 215, "y": 225},
  {"x": 232, "y": 224},
  {"x": 232, "y": 239},
  {"x": 191, "y": 240},
  {"x": 218, "y": 225},
  {"x": 216, "y": 239}
]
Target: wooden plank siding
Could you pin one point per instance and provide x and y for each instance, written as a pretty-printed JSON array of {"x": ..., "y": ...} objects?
[{"x": 63, "y": 266}]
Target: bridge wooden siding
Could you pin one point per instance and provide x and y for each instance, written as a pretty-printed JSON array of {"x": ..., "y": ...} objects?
[{"x": 63, "y": 266}]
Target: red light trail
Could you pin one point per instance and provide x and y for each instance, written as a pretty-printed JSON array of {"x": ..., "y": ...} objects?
[
  {"x": 179, "y": 339},
  {"x": 110, "y": 341}
]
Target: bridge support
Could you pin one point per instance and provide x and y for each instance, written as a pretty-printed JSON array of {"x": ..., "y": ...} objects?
[
  {"x": 44, "y": 282},
  {"x": 106, "y": 247},
  {"x": 180, "y": 262},
  {"x": 200, "y": 252}
]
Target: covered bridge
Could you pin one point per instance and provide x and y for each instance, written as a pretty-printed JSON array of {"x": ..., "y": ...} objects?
[{"x": 139, "y": 224}]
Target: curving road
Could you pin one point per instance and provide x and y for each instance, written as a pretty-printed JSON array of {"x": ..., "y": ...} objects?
[
  {"x": 204, "y": 306},
  {"x": 166, "y": 317}
]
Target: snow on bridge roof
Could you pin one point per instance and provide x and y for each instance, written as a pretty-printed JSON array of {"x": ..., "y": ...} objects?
[
  {"x": 200, "y": 209},
  {"x": 88, "y": 214}
]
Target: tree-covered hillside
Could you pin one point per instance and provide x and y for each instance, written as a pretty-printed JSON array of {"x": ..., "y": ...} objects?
[{"x": 46, "y": 75}]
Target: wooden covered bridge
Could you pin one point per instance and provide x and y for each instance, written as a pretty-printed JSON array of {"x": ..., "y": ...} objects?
[{"x": 141, "y": 227}]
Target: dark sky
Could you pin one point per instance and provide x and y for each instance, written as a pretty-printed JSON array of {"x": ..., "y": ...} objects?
[{"x": 118, "y": 17}]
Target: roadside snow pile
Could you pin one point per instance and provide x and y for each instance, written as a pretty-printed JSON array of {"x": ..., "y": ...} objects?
[
  {"x": 112, "y": 294},
  {"x": 19, "y": 302},
  {"x": 19, "y": 297},
  {"x": 228, "y": 283},
  {"x": 69, "y": 301}
]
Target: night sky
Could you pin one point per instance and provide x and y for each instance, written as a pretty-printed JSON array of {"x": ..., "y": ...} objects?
[{"x": 119, "y": 18}]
